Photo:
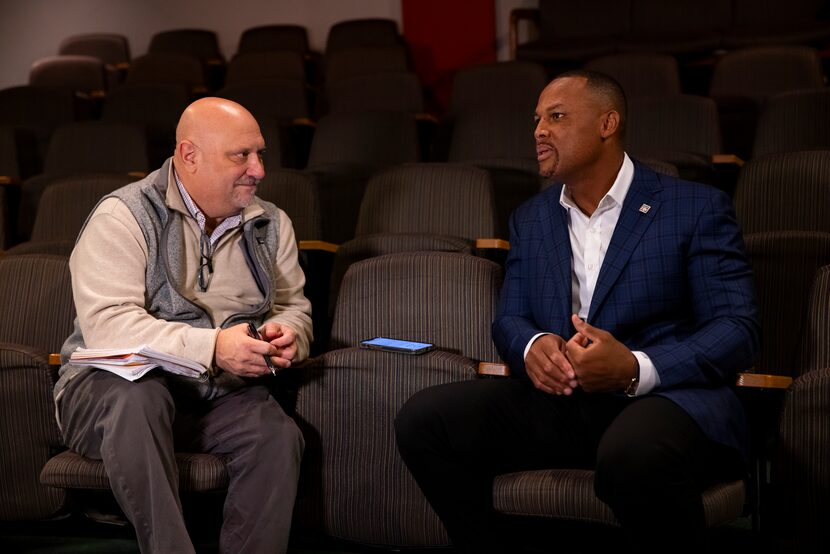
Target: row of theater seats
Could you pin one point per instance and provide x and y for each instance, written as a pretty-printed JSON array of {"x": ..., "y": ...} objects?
[
  {"x": 354, "y": 485},
  {"x": 577, "y": 31},
  {"x": 95, "y": 63},
  {"x": 433, "y": 206},
  {"x": 346, "y": 148},
  {"x": 741, "y": 82}
]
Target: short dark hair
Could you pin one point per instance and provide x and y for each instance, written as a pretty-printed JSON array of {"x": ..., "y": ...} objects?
[{"x": 606, "y": 87}]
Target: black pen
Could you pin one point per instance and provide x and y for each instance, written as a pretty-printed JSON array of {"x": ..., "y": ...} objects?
[{"x": 255, "y": 335}]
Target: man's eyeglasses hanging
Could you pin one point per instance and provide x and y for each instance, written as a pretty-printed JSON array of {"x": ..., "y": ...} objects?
[{"x": 205, "y": 262}]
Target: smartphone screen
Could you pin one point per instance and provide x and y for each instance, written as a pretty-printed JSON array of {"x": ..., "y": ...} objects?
[{"x": 394, "y": 345}]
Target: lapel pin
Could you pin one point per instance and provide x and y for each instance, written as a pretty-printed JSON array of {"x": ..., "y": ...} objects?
[{"x": 645, "y": 208}]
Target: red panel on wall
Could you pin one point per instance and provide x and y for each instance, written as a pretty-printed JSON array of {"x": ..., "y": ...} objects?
[{"x": 445, "y": 36}]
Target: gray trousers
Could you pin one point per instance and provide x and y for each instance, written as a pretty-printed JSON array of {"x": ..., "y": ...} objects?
[{"x": 134, "y": 428}]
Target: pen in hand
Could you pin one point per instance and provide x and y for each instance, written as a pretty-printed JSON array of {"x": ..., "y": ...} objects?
[{"x": 252, "y": 331}]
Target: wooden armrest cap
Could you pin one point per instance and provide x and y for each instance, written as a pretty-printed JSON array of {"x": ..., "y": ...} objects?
[
  {"x": 317, "y": 245},
  {"x": 763, "y": 381},
  {"x": 493, "y": 369},
  {"x": 727, "y": 159},
  {"x": 499, "y": 244}
]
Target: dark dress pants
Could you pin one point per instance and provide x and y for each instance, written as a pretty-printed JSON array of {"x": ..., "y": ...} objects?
[
  {"x": 133, "y": 427},
  {"x": 652, "y": 460}
]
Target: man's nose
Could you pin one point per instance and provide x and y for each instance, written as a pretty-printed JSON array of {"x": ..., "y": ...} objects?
[
  {"x": 256, "y": 168},
  {"x": 540, "y": 132}
]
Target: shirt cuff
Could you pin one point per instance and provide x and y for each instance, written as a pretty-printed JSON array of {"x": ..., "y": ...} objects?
[
  {"x": 649, "y": 379},
  {"x": 530, "y": 343}
]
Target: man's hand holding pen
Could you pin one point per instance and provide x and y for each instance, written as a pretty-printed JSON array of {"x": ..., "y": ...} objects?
[{"x": 247, "y": 352}]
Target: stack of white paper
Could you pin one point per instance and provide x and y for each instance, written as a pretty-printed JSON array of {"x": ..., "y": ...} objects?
[{"x": 132, "y": 363}]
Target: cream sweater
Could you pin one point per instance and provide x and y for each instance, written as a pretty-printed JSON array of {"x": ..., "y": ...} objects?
[{"x": 108, "y": 284}]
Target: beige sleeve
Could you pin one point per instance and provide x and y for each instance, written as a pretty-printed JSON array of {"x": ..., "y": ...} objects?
[
  {"x": 108, "y": 266},
  {"x": 291, "y": 307}
]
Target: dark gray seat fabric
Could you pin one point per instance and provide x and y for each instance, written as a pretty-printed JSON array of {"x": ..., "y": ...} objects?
[
  {"x": 816, "y": 343},
  {"x": 83, "y": 74},
  {"x": 760, "y": 72},
  {"x": 382, "y": 92},
  {"x": 743, "y": 80},
  {"x": 794, "y": 121},
  {"x": 418, "y": 207},
  {"x": 37, "y": 310},
  {"x": 681, "y": 27},
  {"x": 253, "y": 66},
  {"x": 785, "y": 192},
  {"x": 85, "y": 147},
  {"x": 201, "y": 43},
  {"x": 270, "y": 98},
  {"x": 154, "y": 106},
  {"x": 296, "y": 193},
  {"x": 169, "y": 67},
  {"x": 354, "y": 484},
  {"x": 197, "y": 472},
  {"x": 369, "y": 32},
  {"x": 64, "y": 207},
  {"x": 274, "y": 38},
  {"x": 439, "y": 297},
  {"x": 804, "y": 433},
  {"x": 513, "y": 86},
  {"x": 640, "y": 74},
  {"x": 365, "y": 60},
  {"x": 660, "y": 166},
  {"x": 784, "y": 264},
  {"x": 765, "y": 22},
  {"x": 97, "y": 146},
  {"x": 41, "y": 110},
  {"x": 346, "y": 150},
  {"x": 112, "y": 49},
  {"x": 440, "y": 199},
  {"x": 500, "y": 141},
  {"x": 680, "y": 129},
  {"x": 568, "y": 494},
  {"x": 571, "y": 31}
]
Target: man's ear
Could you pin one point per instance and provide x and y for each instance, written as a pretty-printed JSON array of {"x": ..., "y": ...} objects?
[
  {"x": 610, "y": 124},
  {"x": 188, "y": 154}
]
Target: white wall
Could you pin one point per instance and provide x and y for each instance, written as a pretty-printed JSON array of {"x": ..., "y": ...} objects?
[{"x": 32, "y": 29}]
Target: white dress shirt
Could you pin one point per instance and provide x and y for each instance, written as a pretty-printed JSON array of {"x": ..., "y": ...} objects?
[{"x": 590, "y": 237}]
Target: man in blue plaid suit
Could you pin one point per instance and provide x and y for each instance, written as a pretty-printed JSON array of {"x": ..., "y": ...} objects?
[{"x": 627, "y": 309}]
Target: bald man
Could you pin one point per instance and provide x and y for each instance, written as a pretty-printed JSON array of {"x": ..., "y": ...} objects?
[{"x": 182, "y": 261}]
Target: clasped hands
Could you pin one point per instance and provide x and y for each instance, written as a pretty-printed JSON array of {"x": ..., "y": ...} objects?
[
  {"x": 592, "y": 359},
  {"x": 238, "y": 353}
]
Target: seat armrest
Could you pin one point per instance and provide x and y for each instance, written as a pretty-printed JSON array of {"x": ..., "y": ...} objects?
[
  {"x": 495, "y": 250},
  {"x": 317, "y": 246},
  {"x": 727, "y": 168},
  {"x": 303, "y": 122},
  {"x": 763, "y": 381},
  {"x": 492, "y": 369},
  {"x": 727, "y": 159},
  {"x": 497, "y": 244},
  {"x": 516, "y": 16}
]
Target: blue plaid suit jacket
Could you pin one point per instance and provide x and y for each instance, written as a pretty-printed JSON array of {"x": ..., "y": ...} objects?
[{"x": 675, "y": 284}]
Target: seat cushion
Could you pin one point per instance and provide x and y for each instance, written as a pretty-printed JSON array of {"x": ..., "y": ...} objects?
[
  {"x": 197, "y": 472},
  {"x": 569, "y": 494}
]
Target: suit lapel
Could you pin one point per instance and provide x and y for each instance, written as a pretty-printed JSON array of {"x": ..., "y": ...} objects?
[
  {"x": 557, "y": 259},
  {"x": 639, "y": 209}
]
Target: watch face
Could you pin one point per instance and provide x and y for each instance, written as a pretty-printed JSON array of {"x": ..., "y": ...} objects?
[{"x": 631, "y": 389}]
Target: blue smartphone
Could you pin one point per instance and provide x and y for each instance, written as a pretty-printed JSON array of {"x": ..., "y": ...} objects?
[{"x": 395, "y": 345}]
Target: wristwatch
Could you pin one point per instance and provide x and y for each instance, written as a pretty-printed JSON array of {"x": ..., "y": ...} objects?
[{"x": 631, "y": 389}]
